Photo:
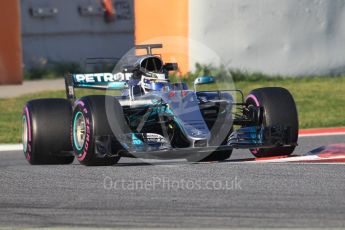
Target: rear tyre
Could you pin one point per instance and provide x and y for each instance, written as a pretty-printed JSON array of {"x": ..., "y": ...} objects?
[
  {"x": 279, "y": 109},
  {"x": 90, "y": 120},
  {"x": 45, "y": 133}
]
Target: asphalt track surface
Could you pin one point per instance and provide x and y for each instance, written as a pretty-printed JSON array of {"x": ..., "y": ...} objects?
[{"x": 257, "y": 194}]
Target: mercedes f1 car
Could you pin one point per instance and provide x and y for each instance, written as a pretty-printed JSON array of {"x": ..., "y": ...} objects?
[{"x": 153, "y": 117}]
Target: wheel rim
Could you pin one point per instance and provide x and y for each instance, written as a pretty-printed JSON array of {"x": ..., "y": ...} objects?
[
  {"x": 25, "y": 133},
  {"x": 79, "y": 131}
]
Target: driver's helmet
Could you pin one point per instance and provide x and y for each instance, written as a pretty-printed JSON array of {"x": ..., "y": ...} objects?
[
  {"x": 155, "y": 82},
  {"x": 159, "y": 86}
]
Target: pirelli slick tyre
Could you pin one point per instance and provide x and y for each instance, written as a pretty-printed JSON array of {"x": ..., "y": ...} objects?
[
  {"x": 279, "y": 109},
  {"x": 45, "y": 132},
  {"x": 221, "y": 155},
  {"x": 89, "y": 121}
]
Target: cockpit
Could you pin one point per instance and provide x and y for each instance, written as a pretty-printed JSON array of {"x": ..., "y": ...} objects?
[{"x": 148, "y": 72}]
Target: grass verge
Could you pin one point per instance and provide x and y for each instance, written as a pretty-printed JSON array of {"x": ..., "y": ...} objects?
[{"x": 320, "y": 102}]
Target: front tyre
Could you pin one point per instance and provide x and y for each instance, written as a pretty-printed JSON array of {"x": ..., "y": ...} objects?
[
  {"x": 220, "y": 155},
  {"x": 279, "y": 110},
  {"x": 90, "y": 121}
]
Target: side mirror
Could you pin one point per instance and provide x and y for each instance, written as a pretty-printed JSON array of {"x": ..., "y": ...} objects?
[
  {"x": 170, "y": 66},
  {"x": 204, "y": 80}
]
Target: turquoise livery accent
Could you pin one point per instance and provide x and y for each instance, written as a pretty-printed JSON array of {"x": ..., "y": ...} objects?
[
  {"x": 100, "y": 81},
  {"x": 136, "y": 140},
  {"x": 118, "y": 85}
]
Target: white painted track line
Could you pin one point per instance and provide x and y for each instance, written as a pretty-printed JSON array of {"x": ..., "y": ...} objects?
[{"x": 10, "y": 147}]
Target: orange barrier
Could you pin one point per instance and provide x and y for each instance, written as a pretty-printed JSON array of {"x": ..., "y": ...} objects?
[
  {"x": 10, "y": 43},
  {"x": 166, "y": 22}
]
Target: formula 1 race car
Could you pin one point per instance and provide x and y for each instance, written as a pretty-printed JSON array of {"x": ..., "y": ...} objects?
[{"x": 152, "y": 117}]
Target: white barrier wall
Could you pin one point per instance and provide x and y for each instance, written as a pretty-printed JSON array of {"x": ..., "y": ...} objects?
[{"x": 289, "y": 37}]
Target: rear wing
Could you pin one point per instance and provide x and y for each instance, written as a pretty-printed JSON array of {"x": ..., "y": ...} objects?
[
  {"x": 149, "y": 47},
  {"x": 102, "y": 81}
]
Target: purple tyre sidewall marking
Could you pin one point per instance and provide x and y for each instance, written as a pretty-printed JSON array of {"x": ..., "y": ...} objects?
[
  {"x": 27, "y": 153},
  {"x": 81, "y": 154},
  {"x": 257, "y": 103}
]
